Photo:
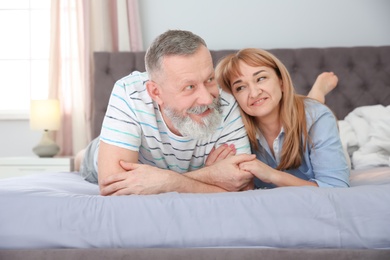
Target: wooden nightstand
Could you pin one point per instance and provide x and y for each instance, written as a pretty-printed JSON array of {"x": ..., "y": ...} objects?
[{"x": 20, "y": 166}]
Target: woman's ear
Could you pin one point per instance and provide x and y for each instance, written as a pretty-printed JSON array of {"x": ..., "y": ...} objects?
[{"x": 154, "y": 91}]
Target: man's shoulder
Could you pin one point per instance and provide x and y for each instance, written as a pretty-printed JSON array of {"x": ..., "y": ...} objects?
[
  {"x": 227, "y": 100},
  {"x": 230, "y": 109},
  {"x": 132, "y": 88},
  {"x": 134, "y": 78},
  {"x": 225, "y": 94}
]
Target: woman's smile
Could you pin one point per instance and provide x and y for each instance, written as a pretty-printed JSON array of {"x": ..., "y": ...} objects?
[{"x": 259, "y": 102}]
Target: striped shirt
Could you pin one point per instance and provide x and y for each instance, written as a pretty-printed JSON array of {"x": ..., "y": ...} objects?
[{"x": 134, "y": 121}]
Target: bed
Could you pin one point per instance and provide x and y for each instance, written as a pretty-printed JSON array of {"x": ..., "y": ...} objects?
[{"x": 60, "y": 216}]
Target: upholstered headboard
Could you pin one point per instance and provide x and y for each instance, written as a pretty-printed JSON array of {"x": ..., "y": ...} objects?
[{"x": 364, "y": 75}]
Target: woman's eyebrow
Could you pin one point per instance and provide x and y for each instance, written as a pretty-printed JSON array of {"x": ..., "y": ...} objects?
[
  {"x": 258, "y": 72},
  {"x": 254, "y": 74},
  {"x": 237, "y": 81}
]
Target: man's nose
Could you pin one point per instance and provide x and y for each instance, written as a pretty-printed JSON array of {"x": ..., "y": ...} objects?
[{"x": 206, "y": 95}]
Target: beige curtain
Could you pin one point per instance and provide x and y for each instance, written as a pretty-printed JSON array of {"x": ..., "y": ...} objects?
[{"x": 79, "y": 28}]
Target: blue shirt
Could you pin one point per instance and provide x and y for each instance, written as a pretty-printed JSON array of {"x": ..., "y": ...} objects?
[{"x": 323, "y": 161}]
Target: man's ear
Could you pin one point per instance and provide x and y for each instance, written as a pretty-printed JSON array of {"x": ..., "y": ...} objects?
[{"x": 154, "y": 91}]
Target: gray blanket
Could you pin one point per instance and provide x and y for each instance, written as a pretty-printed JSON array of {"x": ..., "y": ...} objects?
[{"x": 61, "y": 210}]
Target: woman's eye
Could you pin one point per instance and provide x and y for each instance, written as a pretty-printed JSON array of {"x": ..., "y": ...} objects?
[
  {"x": 238, "y": 89},
  {"x": 260, "y": 79}
]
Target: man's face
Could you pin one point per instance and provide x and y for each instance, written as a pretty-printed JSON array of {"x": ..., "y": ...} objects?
[
  {"x": 189, "y": 95},
  {"x": 186, "y": 126}
]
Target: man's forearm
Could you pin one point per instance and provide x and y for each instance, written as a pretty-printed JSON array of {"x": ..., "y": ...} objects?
[
  {"x": 202, "y": 175},
  {"x": 192, "y": 182}
]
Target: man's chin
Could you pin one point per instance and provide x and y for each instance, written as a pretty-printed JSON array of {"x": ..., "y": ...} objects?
[
  {"x": 196, "y": 126},
  {"x": 198, "y": 119},
  {"x": 199, "y": 130},
  {"x": 197, "y": 135}
]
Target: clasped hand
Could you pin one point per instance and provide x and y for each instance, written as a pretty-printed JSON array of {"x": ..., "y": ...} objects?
[{"x": 222, "y": 172}]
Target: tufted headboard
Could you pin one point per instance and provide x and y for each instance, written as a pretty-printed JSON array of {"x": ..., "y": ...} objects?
[{"x": 364, "y": 75}]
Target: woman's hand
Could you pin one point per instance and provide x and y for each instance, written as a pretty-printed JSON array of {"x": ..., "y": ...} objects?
[
  {"x": 259, "y": 169},
  {"x": 268, "y": 174}
]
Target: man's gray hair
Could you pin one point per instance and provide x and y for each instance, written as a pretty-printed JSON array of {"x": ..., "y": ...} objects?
[{"x": 172, "y": 42}]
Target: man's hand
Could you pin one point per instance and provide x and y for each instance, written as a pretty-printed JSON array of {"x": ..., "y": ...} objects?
[
  {"x": 138, "y": 179},
  {"x": 226, "y": 173},
  {"x": 145, "y": 179}
]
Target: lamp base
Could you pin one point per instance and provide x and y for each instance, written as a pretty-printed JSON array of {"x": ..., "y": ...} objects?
[{"x": 46, "y": 147}]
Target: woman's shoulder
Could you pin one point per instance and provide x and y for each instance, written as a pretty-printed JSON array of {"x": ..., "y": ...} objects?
[
  {"x": 315, "y": 110},
  {"x": 314, "y": 105}
]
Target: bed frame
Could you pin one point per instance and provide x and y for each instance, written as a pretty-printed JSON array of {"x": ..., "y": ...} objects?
[
  {"x": 364, "y": 79},
  {"x": 364, "y": 75},
  {"x": 196, "y": 254}
]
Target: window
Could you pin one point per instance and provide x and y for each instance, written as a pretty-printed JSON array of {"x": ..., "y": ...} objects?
[{"x": 24, "y": 55}]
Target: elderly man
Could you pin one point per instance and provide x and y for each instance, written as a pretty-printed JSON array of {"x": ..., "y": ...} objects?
[{"x": 161, "y": 125}]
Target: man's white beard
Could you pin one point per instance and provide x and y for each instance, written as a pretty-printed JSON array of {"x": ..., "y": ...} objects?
[{"x": 188, "y": 127}]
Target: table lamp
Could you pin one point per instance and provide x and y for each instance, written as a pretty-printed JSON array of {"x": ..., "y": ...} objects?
[{"x": 45, "y": 115}]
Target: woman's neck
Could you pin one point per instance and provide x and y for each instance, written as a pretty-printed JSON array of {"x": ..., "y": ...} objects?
[{"x": 270, "y": 129}]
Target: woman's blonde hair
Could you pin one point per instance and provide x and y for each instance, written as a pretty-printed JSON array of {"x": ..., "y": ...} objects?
[{"x": 292, "y": 108}]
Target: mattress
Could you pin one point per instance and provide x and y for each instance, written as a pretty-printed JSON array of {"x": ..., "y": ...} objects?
[{"x": 61, "y": 210}]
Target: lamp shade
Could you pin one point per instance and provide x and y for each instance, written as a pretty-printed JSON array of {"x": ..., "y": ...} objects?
[{"x": 45, "y": 114}]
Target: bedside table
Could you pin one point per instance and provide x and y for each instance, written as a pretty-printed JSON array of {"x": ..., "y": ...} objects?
[{"x": 20, "y": 166}]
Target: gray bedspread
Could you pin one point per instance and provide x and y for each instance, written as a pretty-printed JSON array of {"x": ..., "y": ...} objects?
[{"x": 61, "y": 210}]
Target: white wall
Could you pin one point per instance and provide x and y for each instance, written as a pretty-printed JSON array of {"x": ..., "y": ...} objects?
[{"x": 234, "y": 24}]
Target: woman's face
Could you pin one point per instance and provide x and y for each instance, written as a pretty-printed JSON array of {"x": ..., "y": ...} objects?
[{"x": 258, "y": 91}]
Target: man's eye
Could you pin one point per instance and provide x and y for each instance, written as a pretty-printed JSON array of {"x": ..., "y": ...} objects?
[
  {"x": 210, "y": 80},
  {"x": 190, "y": 87}
]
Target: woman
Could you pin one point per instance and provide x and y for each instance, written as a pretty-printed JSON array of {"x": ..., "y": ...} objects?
[{"x": 295, "y": 138}]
